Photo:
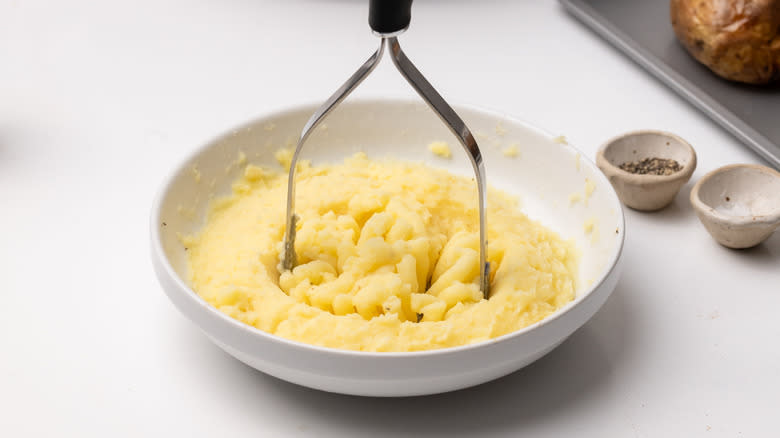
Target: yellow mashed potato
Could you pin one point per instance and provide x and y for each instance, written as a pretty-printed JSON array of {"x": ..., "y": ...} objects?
[{"x": 387, "y": 258}]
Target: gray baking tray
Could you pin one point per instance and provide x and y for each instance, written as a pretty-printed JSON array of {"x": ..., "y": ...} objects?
[{"x": 642, "y": 29}]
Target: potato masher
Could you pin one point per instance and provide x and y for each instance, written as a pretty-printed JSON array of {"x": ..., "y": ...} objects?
[{"x": 388, "y": 19}]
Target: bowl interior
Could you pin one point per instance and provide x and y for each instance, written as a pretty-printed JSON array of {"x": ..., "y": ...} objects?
[
  {"x": 647, "y": 144},
  {"x": 554, "y": 183},
  {"x": 741, "y": 191}
]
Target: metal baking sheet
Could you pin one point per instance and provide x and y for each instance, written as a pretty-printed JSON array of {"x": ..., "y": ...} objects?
[{"x": 642, "y": 29}]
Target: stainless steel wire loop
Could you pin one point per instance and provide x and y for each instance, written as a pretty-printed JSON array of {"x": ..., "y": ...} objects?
[{"x": 437, "y": 104}]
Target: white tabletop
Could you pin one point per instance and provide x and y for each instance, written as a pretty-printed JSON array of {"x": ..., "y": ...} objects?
[{"x": 98, "y": 100}]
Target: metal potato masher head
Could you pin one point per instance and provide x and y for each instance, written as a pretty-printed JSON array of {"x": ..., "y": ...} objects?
[{"x": 388, "y": 19}]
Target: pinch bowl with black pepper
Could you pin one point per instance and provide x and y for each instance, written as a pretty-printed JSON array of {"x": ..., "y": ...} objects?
[{"x": 647, "y": 168}]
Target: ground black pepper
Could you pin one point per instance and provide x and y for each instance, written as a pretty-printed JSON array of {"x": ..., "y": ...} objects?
[{"x": 652, "y": 166}]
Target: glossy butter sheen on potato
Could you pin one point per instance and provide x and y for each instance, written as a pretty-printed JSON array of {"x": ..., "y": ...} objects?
[{"x": 388, "y": 258}]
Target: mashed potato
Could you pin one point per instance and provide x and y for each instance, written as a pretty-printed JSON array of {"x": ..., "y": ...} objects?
[
  {"x": 388, "y": 258},
  {"x": 440, "y": 148}
]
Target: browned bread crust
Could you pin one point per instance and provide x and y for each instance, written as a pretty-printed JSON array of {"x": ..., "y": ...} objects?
[{"x": 737, "y": 39}]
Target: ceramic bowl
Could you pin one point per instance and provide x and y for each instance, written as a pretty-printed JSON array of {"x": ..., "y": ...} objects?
[
  {"x": 542, "y": 172},
  {"x": 646, "y": 192},
  {"x": 739, "y": 204}
]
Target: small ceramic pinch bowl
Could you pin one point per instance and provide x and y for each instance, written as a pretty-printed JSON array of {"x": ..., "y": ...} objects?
[
  {"x": 739, "y": 205},
  {"x": 543, "y": 174},
  {"x": 646, "y": 192}
]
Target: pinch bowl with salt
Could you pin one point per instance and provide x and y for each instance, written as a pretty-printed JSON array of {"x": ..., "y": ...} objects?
[
  {"x": 647, "y": 168},
  {"x": 739, "y": 204}
]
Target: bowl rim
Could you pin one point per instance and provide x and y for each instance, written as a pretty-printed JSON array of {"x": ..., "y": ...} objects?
[
  {"x": 752, "y": 220},
  {"x": 683, "y": 174},
  {"x": 158, "y": 252}
]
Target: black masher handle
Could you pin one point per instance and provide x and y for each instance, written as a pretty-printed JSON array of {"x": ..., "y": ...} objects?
[{"x": 388, "y": 16}]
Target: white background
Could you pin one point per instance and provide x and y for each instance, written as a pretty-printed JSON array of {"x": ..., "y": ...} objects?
[{"x": 99, "y": 100}]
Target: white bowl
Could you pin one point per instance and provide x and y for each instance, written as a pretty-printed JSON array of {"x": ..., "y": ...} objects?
[{"x": 547, "y": 175}]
